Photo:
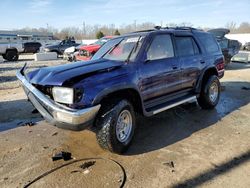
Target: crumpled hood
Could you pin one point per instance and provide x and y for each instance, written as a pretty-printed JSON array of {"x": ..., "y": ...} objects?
[{"x": 69, "y": 73}]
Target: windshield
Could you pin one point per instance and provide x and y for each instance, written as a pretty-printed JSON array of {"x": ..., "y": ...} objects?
[{"x": 120, "y": 49}]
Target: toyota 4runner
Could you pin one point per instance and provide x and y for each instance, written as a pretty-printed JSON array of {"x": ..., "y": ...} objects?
[{"x": 145, "y": 72}]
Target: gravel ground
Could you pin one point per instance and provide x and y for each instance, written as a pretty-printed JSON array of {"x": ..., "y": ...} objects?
[{"x": 182, "y": 147}]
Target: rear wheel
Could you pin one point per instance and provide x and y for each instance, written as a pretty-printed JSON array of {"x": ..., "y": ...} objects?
[
  {"x": 11, "y": 55},
  {"x": 116, "y": 127},
  {"x": 210, "y": 93}
]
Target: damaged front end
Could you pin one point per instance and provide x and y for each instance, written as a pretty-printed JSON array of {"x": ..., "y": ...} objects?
[{"x": 55, "y": 113}]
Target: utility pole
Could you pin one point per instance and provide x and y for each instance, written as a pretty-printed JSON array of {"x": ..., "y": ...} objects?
[
  {"x": 135, "y": 24},
  {"x": 83, "y": 28}
]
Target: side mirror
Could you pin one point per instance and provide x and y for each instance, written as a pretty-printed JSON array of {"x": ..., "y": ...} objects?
[{"x": 147, "y": 60}]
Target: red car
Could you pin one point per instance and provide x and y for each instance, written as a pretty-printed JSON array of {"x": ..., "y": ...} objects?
[{"x": 86, "y": 52}]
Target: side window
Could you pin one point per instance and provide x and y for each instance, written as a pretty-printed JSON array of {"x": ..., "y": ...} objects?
[
  {"x": 160, "y": 48},
  {"x": 186, "y": 46},
  {"x": 209, "y": 42},
  {"x": 196, "y": 48}
]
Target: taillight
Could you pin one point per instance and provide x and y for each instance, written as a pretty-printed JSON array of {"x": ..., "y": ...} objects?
[{"x": 220, "y": 66}]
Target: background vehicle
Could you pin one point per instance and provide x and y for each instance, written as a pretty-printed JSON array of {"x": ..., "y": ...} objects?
[
  {"x": 86, "y": 52},
  {"x": 246, "y": 46},
  {"x": 145, "y": 73},
  {"x": 11, "y": 51},
  {"x": 31, "y": 47},
  {"x": 61, "y": 46},
  {"x": 229, "y": 47}
]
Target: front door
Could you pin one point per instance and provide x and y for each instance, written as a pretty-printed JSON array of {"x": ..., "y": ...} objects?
[{"x": 160, "y": 72}]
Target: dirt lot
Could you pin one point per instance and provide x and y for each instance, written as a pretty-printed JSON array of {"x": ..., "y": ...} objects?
[{"x": 182, "y": 147}]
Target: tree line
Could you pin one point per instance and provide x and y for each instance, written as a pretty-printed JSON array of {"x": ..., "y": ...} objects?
[{"x": 97, "y": 31}]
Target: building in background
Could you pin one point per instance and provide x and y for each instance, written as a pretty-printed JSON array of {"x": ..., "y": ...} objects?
[{"x": 23, "y": 37}]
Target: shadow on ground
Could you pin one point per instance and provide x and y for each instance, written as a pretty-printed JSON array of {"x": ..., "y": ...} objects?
[
  {"x": 218, "y": 170},
  {"x": 16, "y": 112},
  {"x": 179, "y": 123}
]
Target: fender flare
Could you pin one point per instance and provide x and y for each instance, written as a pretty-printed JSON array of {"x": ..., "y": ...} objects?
[
  {"x": 113, "y": 89},
  {"x": 199, "y": 81}
]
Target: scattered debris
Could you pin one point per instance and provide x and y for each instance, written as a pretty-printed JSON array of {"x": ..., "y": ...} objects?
[
  {"x": 62, "y": 155},
  {"x": 30, "y": 131},
  {"x": 245, "y": 88},
  {"x": 20, "y": 149},
  {"x": 45, "y": 147},
  {"x": 75, "y": 171},
  {"x": 54, "y": 134},
  {"x": 171, "y": 165},
  {"x": 87, "y": 164},
  {"x": 35, "y": 111},
  {"x": 6, "y": 178},
  {"x": 31, "y": 123},
  {"x": 86, "y": 171}
]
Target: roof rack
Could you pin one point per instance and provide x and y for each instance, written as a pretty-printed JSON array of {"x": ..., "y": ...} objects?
[
  {"x": 176, "y": 28},
  {"x": 147, "y": 30}
]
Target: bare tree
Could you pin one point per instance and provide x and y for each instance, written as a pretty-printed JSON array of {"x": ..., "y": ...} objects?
[{"x": 89, "y": 31}]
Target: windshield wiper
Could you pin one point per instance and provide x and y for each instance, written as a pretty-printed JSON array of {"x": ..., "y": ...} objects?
[
  {"x": 111, "y": 49},
  {"x": 133, "y": 49}
]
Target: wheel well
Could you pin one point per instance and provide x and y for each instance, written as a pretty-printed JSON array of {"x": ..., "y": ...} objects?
[
  {"x": 12, "y": 49},
  {"x": 130, "y": 94},
  {"x": 207, "y": 74}
]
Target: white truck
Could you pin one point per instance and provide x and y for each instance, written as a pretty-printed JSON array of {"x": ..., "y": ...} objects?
[{"x": 11, "y": 51}]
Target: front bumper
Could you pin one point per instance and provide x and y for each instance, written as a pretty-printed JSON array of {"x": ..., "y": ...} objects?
[{"x": 56, "y": 114}]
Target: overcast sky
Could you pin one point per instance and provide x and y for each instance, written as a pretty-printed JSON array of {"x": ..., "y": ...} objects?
[{"x": 17, "y": 14}]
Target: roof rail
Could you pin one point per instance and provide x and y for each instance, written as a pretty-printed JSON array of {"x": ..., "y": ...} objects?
[{"x": 176, "y": 28}]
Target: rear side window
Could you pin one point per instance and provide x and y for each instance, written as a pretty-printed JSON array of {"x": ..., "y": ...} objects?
[
  {"x": 186, "y": 46},
  {"x": 209, "y": 42},
  {"x": 160, "y": 48}
]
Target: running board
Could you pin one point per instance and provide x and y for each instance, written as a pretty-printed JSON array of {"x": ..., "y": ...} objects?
[{"x": 174, "y": 104}]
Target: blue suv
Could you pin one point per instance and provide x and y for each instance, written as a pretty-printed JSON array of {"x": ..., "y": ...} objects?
[{"x": 144, "y": 72}]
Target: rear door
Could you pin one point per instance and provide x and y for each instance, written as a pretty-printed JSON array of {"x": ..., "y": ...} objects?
[
  {"x": 191, "y": 60},
  {"x": 160, "y": 72}
]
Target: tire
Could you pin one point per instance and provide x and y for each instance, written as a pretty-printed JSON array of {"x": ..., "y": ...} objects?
[
  {"x": 107, "y": 124},
  {"x": 11, "y": 55},
  {"x": 208, "y": 98}
]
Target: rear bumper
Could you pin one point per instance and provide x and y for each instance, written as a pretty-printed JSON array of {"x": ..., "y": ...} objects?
[{"x": 56, "y": 114}]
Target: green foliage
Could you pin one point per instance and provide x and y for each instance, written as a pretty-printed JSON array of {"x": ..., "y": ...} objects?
[
  {"x": 99, "y": 35},
  {"x": 117, "y": 32}
]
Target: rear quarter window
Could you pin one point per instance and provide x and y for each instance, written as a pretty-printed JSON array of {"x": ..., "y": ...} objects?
[
  {"x": 186, "y": 46},
  {"x": 209, "y": 42}
]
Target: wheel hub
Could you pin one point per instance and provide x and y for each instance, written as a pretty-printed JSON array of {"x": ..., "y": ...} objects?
[
  {"x": 213, "y": 91},
  {"x": 124, "y": 126}
]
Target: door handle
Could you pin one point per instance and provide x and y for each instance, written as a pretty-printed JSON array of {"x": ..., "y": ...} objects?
[
  {"x": 202, "y": 61},
  {"x": 175, "y": 67}
]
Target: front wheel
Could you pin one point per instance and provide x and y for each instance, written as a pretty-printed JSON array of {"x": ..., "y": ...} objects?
[
  {"x": 116, "y": 127},
  {"x": 210, "y": 93},
  {"x": 11, "y": 55}
]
